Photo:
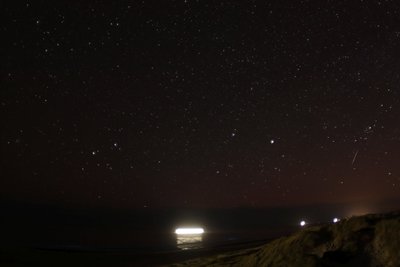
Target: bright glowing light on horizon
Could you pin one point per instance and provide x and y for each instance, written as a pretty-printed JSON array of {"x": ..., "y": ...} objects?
[
  {"x": 335, "y": 220},
  {"x": 189, "y": 231},
  {"x": 303, "y": 223}
]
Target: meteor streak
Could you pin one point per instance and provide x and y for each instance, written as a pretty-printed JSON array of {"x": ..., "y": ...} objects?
[{"x": 354, "y": 158}]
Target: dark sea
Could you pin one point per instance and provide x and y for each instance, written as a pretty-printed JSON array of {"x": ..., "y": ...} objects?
[{"x": 143, "y": 230}]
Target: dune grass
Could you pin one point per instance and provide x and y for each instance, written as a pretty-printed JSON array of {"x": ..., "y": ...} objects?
[{"x": 371, "y": 240}]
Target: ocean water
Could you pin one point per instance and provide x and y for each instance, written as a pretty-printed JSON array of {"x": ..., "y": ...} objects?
[
  {"x": 150, "y": 241},
  {"x": 144, "y": 230},
  {"x": 140, "y": 237}
]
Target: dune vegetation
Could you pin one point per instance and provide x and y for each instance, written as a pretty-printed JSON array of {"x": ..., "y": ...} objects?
[{"x": 370, "y": 240}]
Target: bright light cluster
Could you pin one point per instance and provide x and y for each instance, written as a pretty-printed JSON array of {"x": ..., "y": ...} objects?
[
  {"x": 302, "y": 223},
  {"x": 335, "y": 220},
  {"x": 189, "y": 231}
]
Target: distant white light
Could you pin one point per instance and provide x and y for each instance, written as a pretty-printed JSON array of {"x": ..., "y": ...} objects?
[
  {"x": 303, "y": 223},
  {"x": 272, "y": 141},
  {"x": 335, "y": 220},
  {"x": 189, "y": 231}
]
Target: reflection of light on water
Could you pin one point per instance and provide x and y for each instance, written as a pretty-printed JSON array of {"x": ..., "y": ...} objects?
[
  {"x": 189, "y": 238},
  {"x": 189, "y": 241}
]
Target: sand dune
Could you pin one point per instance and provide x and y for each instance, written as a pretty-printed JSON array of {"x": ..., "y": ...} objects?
[{"x": 370, "y": 240}]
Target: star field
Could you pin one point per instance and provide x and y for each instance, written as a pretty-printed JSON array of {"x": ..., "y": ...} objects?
[{"x": 200, "y": 103}]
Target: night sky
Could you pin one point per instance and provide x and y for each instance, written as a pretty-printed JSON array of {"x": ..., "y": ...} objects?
[{"x": 149, "y": 104}]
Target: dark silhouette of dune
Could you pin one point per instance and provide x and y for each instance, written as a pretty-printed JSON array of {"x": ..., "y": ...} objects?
[{"x": 370, "y": 240}]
